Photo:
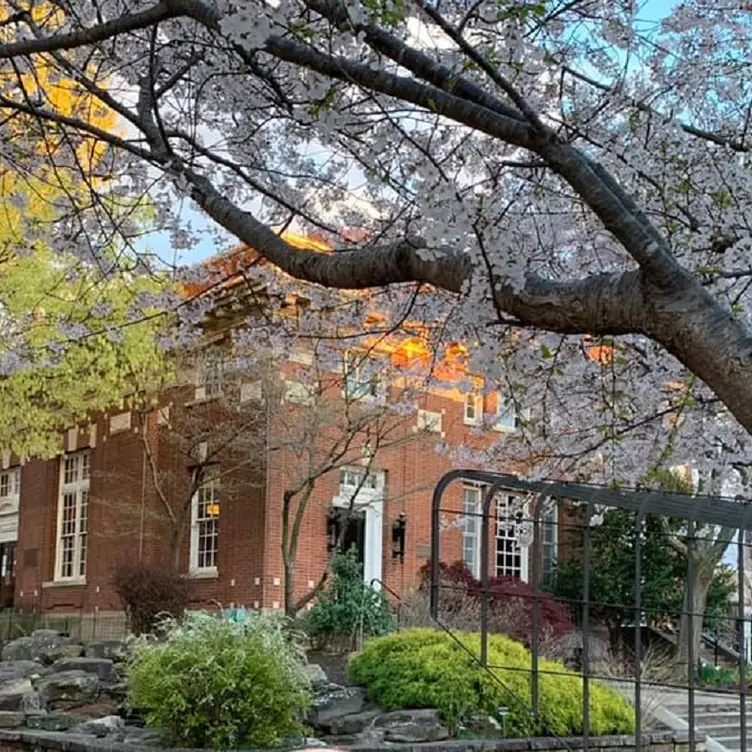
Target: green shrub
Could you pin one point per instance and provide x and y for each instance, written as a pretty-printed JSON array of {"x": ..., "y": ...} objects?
[
  {"x": 211, "y": 682},
  {"x": 422, "y": 668},
  {"x": 347, "y": 608}
]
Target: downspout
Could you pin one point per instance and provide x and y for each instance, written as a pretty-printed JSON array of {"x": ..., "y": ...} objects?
[
  {"x": 267, "y": 486},
  {"x": 142, "y": 521}
]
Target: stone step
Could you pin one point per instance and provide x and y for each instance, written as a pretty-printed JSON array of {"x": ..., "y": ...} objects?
[
  {"x": 719, "y": 730},
  {"x": 682, "y": 709},
  {"x": 729, "y": 742}
]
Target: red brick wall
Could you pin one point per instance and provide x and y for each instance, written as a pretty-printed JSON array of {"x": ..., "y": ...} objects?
[{"x": 127, "y": 521}]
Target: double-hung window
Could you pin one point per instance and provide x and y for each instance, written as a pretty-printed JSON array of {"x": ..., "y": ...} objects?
[{"x": 72, "y": 516}]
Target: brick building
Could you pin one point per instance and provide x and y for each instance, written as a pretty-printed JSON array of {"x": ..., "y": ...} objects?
[{"x": 67, "y": 523}]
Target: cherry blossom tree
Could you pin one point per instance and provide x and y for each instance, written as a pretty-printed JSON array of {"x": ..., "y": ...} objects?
[{"x": 522, "y": 175}]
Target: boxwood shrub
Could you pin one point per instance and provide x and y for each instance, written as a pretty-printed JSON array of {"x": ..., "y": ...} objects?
[{"x": 426, "y": 668}]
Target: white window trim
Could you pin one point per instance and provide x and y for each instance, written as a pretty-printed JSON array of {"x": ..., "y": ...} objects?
[
  {"x": 431, "y": 422},
  {"x": 475, "y": 569},
  {"x": 549, "y": 521},
  {"x": 523, "y": 550},
  {"x": 504, "y": 406},
  {"x": 380, "y": 395},
  {"x": 10, "y": 502},
  {"x": 193, "y": 567},
  {"x": 78, "y": 487},
  {"x": 476, "y": 400},
  {"x": 364, "y": 495}
]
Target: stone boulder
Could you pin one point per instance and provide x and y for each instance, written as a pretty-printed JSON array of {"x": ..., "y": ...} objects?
[
  {"x": 355, "y": 723},
  {"x": 114, "y": 650},
  {"x": 15, "y": 683},
  {"x": 42, "y": 646},
  {"x": 68, "y": 687},
  {"x": 317, "y": 676},
  {"x": 412, "y": 726},
  {"x": 11, "y": 671},
  {"x": 100, "y": 727},
  {"x": 13, "y": 694},
  {"x": 139, "y": 737},
  {"x": 53, "y": 721},
  {"x": 9, "y": 719},
  {"x": 333, "y": 704},
  {"x": 103, "y": 668}
]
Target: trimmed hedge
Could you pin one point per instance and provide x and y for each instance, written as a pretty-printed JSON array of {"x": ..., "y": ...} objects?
[{"x": 426, "y": 668}]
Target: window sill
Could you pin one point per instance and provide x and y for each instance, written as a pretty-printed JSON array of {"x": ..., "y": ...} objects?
[
  {"x": 505, "y": 429},
  {"x": 63, "y": 583},
  {"x": 201, "y": 400},
  {"x": 203, "y": 574},
  {"x": 475, "y": 422}
]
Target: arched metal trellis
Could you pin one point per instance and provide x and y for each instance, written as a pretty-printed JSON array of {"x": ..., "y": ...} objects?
[{"x": 697, "y": 511}]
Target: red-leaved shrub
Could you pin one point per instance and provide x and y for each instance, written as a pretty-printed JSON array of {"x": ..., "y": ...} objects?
[
  {"x": 510, "y": 604},
  {"x": 148, "y": 594}
]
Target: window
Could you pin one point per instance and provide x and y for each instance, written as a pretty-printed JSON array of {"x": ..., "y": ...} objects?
[
  {"x": 361, "y": 379},
  {"x": 473, "y": 409},
  {"x": 72, "y": 517},
  {"x": 351, "y": 479},
  {"x": 506, "y": 414},
  {"x": 205, "y": 523},
  {"x": 211, "y": 376},
  {"x": 549, "y": 537},
  {"x": 511, "y": 556},
  {"x": 471, "y": 509},
  {"x": 10, "y": 487},
  {"x": 429, "y": 421}
]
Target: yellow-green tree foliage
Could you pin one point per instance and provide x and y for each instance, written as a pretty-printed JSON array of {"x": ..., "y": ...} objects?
[{"x": 74, "y": 338}]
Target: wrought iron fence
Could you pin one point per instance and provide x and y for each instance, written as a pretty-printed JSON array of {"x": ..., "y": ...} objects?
[
  {"x": 84, "y": 625},
  {"x": 698, "y": 647}
]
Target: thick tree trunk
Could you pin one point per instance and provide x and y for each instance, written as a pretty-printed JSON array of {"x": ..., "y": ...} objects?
[
  {"x": 691, "y": 622},
  {"x": 291, "y": 607}
]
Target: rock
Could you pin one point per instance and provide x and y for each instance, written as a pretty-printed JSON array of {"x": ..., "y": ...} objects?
[
  {"x": 40, "y": 646},
  {"x": 97, "y": 710},
  {"x": 11, "y": 671},
  {"x": 301, "y": 742},
  {"x": 353, "y": 723},
  {"x": 53, "y": 721},
  {"x": 116, "y": 692},
  {"x": 31, "y": 703},
  {"x": 484, "y": 725},
  {"x": 412, "y": 726},
  {"x": 69, "y": 686},
  {"x": 12, "y": 694},
  {"x": 104, "y": 668},
  {"x": 142, "y": 737},
  {"x": 72, "y": 650},
  {"x": 330, "y": 706},
  {"x": 99, "y": 727},
  {"x": 115, "y": 650},
  {"x": 8, "y": 719},
  {"x": 317, "y": 676}
]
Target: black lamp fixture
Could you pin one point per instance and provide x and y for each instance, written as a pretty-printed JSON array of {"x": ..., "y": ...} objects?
[
  {"x": 332, "y": 529},
  {"x": 399, "y": 527}
]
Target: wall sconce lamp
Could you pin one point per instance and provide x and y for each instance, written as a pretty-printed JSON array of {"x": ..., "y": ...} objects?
[
  {"x": 332, "y": 529},
  {"x": 399, "y": 527}
]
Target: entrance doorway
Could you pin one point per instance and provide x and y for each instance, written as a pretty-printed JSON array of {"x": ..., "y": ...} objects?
[{"x": 355, "y": 533}]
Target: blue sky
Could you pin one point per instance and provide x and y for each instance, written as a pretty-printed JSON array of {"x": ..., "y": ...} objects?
[{"x": 160, "y": 243}]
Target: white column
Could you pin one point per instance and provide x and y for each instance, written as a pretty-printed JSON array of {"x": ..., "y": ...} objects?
[{"x": 374, "y": 543}]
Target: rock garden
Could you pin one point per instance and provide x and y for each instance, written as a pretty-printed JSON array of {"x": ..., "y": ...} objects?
[{"x": 212, "y": 683}]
